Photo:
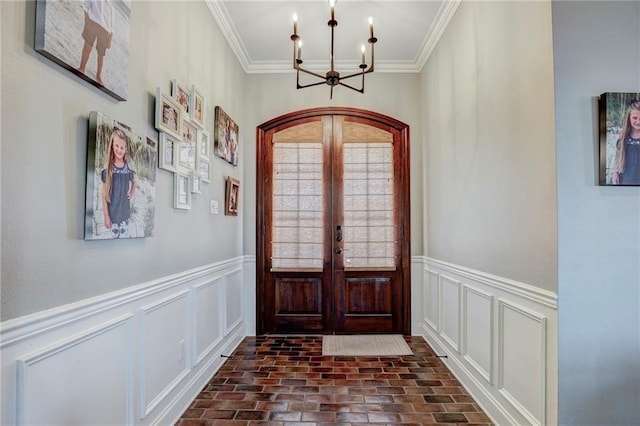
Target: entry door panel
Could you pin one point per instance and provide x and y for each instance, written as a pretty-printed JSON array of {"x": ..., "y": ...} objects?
[
  {"x": 332, "y": 226},
  {"x": 299, "y": 274},
  {"x": 368, "y": 293}
]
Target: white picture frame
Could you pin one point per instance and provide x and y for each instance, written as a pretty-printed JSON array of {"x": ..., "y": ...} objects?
[
  {"x": 204, "y": 144},
  {"x": 169, "y": 115},
  {"x": 188, "y": 147},
  {"x": 168, "y": 152},
  {"x": 181, "y": 191},
  {"x": 204, "y": 170},
  {"x": 198, "y": 107},
  {"x": 196, "y": 183},
  {"x": 182, "y": 95}
]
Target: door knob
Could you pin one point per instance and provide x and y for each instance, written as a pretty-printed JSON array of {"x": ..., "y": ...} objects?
[{"x": 339, "y": 250}]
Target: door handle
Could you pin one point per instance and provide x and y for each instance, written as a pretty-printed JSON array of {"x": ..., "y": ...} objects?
[{"x": 339, "y": 250}]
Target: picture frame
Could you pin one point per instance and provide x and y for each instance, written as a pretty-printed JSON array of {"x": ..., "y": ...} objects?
[
  {"x": 232, "y": 196},
  {"x": 197, "y": 107},
  {"x": 204, "y": 144},
  {"x": 129, "y": 210},
  {"x": 168, "y": 152},
  {"x": 204, "y": 170},
  {"x": 181, "y": 191},
  {"x": 168, "y": 114},
  {"x": 182, "y": 95},
  {"x": 188, "y": 146},
  {"x": 196, "y": 183},
  {"x": 225, "y": 137},
  {"x": 59, "y": 36},
  {"x": 618, "y": 136}
]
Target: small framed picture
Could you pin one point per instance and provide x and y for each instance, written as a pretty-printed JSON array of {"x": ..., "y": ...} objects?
[
  {"x": 231, "y": 199},
  {"x": 187, "y": 149},
  {"x": 197, "y": 107},
  {"x": 204, "y": 170},
  {"x": 225, "y": 137},
  {"x": 204, "y": 144},
  {"x": 181, "y": 191},
  {"x": 196, "y": 183},
  {"x": 168, "y": 152},
  {"x": 168, "y": 114},
  {"x": 181, "y": 95}
]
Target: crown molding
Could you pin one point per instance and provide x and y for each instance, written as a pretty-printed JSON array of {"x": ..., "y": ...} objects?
[
  {"x": 436, "y": 30},
  {"x": 221, "y": 15},
  {"x": 438, "y": 26}
]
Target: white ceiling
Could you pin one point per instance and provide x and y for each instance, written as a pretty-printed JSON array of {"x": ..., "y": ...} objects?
[{"x": 259, "y": 32}]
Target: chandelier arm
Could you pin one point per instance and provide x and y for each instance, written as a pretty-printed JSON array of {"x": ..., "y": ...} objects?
[
  {"x": 299, "y": 68},
  {"x": 355, "y": 74},
  {"x": 361, "y": 90},
  {"x": 304, "y": 86}
]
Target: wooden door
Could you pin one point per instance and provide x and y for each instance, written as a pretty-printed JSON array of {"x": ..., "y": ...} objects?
[{"x": 333, "y": 223}]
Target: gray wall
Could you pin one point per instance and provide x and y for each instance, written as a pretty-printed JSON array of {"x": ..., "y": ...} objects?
[
  {"x": 488, "y": 129},
  {"x": 596, "y": 50},
  {"x": 45, "y": 261}
]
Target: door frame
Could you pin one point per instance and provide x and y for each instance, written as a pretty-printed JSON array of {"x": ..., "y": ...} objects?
[{"x": 264, "y": 133}]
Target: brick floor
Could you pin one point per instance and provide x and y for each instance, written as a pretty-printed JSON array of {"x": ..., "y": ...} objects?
[{"x": 276, "y": 380}]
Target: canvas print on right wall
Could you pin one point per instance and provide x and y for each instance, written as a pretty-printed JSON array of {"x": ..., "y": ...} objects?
[{"x": 619, "y": 138}]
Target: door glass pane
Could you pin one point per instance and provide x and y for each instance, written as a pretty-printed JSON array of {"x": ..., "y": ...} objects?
[
  {"x": 368, "y": 205},
  {"x": 297, "y": 241}
]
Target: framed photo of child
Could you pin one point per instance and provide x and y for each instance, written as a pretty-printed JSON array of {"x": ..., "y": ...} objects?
[
  {"x": 121, "y": 181},
  {"x": 181, "y": 95},
  {"x": 88, "y": 38},
  {"x": 197, "y": 107},
  {"x": 168, "y": 114},
  {"x": 231, "y": 199},
  {"x": 619, "y": 138}
]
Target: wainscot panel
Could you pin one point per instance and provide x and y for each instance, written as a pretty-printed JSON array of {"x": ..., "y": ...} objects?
[
  {"x": 134, "y": 357},
  {"x": 81, "y": 365},
  {"x": 499, "y": 337}
]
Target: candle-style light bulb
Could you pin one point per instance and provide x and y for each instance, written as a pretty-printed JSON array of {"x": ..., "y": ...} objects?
[
  {"x": 332, "y": 3},
  {"x": 370, "y": 27},
  {"x": 362, "y": 49},
  {"x": 299, "y": 49},
  {"x": 295, "y": 24}
]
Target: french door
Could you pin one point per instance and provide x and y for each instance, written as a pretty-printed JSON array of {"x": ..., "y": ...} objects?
[{"x": 333, "y": 223}]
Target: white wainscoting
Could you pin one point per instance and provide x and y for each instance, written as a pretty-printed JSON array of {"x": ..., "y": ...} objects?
[
  {"x": 499, "y": 337},
  {"x": 134, "y": 357}
]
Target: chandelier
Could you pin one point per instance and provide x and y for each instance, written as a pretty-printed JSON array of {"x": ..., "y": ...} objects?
[{"x": 332, "y": 77}]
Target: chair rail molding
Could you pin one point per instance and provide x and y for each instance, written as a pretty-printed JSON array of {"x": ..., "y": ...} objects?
[
  {"x": 139, "y": 356},
  {"x": 499, "y": 337}
]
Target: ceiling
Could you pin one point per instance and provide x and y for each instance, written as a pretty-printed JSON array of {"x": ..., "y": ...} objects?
[{"x": 259, "y": 32}]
